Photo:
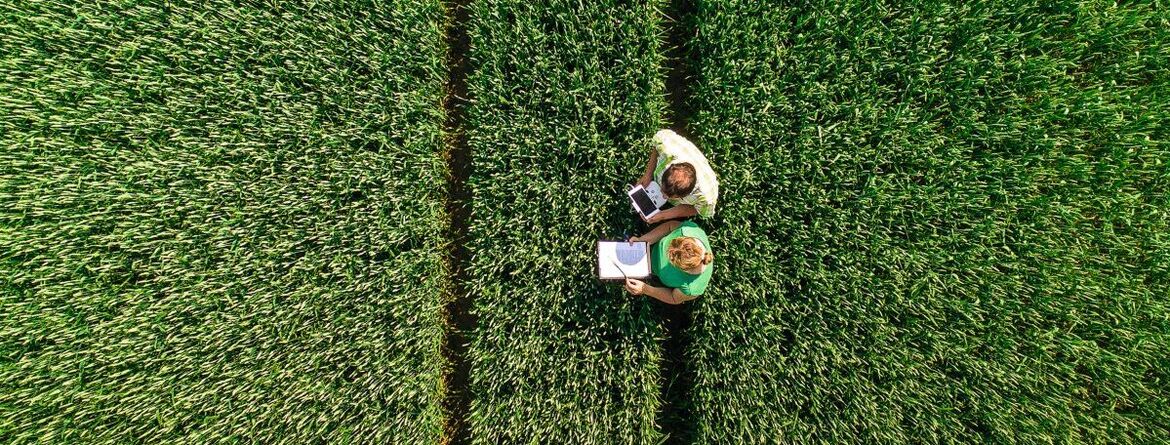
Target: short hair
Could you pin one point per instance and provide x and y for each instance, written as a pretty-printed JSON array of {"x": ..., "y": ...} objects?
[{"x": 678, "y": 180}]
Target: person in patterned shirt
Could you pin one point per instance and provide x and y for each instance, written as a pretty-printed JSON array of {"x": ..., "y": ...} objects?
[{"x": 685, "y": 177}]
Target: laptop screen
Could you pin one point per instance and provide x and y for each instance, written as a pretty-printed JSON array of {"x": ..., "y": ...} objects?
[{"x": 642, "y": 201}]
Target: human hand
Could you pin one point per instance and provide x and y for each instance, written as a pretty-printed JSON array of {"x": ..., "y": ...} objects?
[
  {"x": 633, "y": 239},
  {"x": 653, "y": 219},
  {"x": 635, "y": 287}
]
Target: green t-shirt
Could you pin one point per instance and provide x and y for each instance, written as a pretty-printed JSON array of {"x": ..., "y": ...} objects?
[{"x": 671, "y": 276}]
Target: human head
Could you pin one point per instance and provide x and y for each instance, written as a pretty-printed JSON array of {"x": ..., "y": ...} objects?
[
  {"x": 686, "y": 253},
  {"x": 678, "y": 180}
]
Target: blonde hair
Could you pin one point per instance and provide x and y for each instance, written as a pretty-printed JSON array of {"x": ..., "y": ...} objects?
[{"x": 684, "y": 253}]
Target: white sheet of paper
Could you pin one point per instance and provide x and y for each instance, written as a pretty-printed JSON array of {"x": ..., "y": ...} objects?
[{"x": 615, "y": 257}]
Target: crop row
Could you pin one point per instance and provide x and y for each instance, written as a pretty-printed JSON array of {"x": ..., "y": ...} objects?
[
  {"x": 221, "y": 222},
  {"x": 566, "y": 97},
  {"x": 940, "y": 223}
]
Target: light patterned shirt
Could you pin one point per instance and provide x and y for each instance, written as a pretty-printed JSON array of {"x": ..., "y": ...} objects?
[{"x": 673, "y": 148}]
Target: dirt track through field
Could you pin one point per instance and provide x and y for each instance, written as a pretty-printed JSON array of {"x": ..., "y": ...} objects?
[
  {"x": 460, "y": 321},
  {"x": 674, "y": 416}
]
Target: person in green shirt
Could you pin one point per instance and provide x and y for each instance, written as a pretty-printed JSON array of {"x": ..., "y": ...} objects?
[{"x": 680, "y": 256}]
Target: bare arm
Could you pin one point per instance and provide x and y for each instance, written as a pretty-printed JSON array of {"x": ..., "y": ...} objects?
[
  {"x": 657, "y": 233},
  {"x": 679, "y": 211},
  {"x": 648, "y": 175},
  {"x": 664, "y": 294}
]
